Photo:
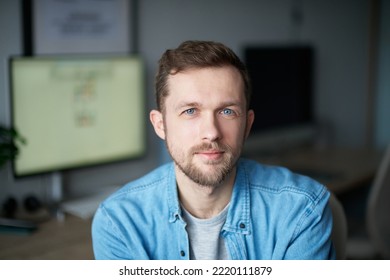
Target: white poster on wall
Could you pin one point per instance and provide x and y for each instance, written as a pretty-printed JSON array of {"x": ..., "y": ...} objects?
[{"x": 81, "y": 26}]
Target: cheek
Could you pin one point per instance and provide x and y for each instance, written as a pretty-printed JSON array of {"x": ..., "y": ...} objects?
[
  {"x": 180, "y": 135},
  {"x": 181, "y": 129},
  {"x": 234, "y": 132}
]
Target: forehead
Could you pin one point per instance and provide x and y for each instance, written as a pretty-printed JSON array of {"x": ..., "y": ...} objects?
[{"x": 210, "y": 84}]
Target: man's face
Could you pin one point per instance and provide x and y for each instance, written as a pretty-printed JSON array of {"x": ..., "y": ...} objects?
[{"x": 205, "y": 122}]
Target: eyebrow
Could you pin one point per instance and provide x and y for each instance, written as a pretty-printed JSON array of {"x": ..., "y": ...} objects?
[
  {"x": 231, "y": 103},
  {"x": 197, "y": 104},
  {"x": 187, "y": 104},
  {"x": 184, "y": 104}
]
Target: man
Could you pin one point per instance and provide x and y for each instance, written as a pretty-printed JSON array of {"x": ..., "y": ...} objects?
[{"x": 209, "y": 203}]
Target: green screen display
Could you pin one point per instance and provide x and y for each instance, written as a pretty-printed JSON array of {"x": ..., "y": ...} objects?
[{"x": 77, "y": 111}]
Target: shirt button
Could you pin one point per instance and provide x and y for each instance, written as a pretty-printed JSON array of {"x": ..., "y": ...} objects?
[
  {"x": 242, "y": 225},
  {"x": 182, "y": 253}
]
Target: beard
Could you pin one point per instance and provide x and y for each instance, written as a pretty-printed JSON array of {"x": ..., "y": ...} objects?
[{"x": 212, "y": 172}]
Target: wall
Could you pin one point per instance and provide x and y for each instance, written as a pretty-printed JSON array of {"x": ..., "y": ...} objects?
[
  {"x": 337, "y": 28},
  {"x": 383, "y": 83}
]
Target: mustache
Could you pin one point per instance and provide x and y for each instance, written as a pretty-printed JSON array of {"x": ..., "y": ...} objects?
[{"x": 213, "y": 146}]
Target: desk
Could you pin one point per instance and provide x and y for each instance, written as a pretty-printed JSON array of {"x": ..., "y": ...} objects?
[
  {"x": 340, "y": 169},
  {"x": 53, "y": 240}
]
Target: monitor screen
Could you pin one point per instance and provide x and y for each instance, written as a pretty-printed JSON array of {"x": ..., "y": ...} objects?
[
  {"x": 77, "y": 111},
  {"x": 282, "y": 80},
  {"x": 282, "y": 96}
]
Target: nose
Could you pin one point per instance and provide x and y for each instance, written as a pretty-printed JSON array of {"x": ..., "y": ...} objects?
[{"x": 209, "y": 128}]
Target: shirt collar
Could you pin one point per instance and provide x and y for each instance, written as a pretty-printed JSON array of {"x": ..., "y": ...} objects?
[
  {"x": 173, "y": 197},
  {"x": 238, "y": 218}
]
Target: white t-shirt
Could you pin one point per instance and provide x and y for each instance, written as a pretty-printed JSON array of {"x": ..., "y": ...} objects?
[{"x": 206, "y": 242}]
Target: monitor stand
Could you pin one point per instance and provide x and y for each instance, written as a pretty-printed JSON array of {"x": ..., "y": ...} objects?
[{"x": 54, "y": 195}]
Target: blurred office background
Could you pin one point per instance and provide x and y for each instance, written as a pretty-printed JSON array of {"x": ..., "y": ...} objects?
[{"x": 352, "y": 65}]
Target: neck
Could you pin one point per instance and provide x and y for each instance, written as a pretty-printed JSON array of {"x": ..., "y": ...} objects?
[{"x": 204, "y": 202}]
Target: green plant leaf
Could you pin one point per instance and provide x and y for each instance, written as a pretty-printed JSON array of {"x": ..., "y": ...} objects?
[{"x": 9, "y": 141}]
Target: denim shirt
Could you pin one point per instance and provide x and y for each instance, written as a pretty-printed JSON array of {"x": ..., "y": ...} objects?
[{"x": 273, "y": 214}]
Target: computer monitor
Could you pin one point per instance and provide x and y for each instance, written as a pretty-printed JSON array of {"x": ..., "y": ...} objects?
[
  {"x": 282, "y": 95},
  {"x": 77, "y": 111}
]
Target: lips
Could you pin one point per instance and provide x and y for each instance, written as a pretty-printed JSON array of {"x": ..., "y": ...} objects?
[{"x": 211, "y": 154}]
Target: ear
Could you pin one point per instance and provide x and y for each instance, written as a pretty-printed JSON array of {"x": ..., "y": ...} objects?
[
  {"x": 249, "y": 121},
  {"x": 157, "y": 120}
]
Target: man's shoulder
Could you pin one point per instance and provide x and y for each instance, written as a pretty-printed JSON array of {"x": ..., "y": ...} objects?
[
  {"x": 153, "y": 178},
  {"x": 279, "y": 179},
  {"x": 152, "y": 182}
]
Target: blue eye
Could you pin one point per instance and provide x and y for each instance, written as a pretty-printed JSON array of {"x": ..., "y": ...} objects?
[
  {"x": 189, "y": 111},
  {"x": 227, "y": 111}
]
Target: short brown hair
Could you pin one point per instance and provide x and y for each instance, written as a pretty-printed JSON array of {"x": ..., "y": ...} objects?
[{"x": 196, "y": 54}]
